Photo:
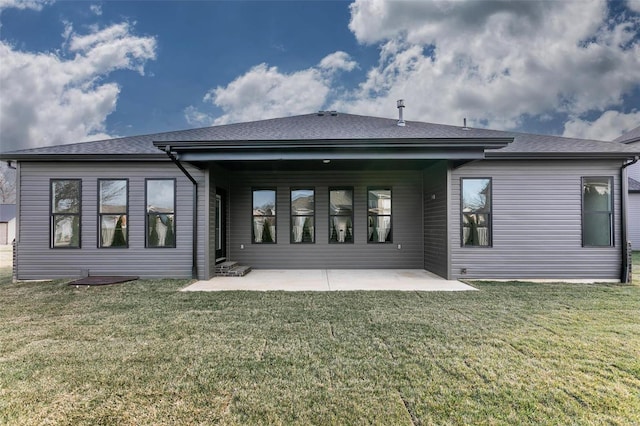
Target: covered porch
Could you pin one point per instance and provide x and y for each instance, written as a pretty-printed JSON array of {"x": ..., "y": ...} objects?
[{"x": 327, "y": 204}]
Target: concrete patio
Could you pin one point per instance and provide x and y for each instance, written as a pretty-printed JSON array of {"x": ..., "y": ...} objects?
[{"x": 331, "y": 280}]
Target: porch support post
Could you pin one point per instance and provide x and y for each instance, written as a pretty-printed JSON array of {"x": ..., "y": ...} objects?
[{"x": 624, "y": 192}]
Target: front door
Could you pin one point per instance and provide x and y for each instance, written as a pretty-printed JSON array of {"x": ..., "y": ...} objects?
[{"x": 220, "y": 232}]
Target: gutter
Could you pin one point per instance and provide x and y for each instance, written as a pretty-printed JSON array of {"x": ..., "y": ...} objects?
[
  {"x": 497, "y": 155},
  {"x": 369, "y": 143},
  {"x": 194, "y": 248},
  {"x": 80, "y": 157},
  {"x": 624, "y": 278}
]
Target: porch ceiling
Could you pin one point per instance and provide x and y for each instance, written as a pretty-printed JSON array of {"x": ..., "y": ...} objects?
[{"x": 319, "y": 165}]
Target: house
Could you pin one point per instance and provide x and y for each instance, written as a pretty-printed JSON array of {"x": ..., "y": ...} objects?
[
  {"x": 7, "y": 223},
  {"x": 632, "y": 138},
  {"x": 324, "y": 190}
]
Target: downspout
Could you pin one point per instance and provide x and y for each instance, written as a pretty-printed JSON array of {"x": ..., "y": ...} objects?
[
  {"x": 623, "y": 206},
  {"x": 194, "y": 249},
  {"x": 16, "y": 238}
]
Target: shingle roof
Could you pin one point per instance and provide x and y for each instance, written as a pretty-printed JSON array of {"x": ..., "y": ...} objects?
[
  {"x": 631, "y": 136},
  {"x": 326, "y": 126},
  {"x": 132, "y": 145},
  {"x": 634, "y": 185}
]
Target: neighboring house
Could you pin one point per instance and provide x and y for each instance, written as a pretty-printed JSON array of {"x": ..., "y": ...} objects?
[
  {"x": 323, "y": 190},
  {"x": 7, "y": 223},
  {"x": 632, "y": 138}
]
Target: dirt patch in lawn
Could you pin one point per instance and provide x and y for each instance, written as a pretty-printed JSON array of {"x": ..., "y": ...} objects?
[{"x": 102, "y": 280}]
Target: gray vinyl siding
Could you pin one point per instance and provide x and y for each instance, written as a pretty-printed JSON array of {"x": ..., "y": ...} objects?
[
  {"x": 407, "y": 221},
  {"x": 37, "y": 261},
  {"x": 537, "y": 230},
  {"x": 633, "y": 171},
  {"x": 435, "y": 219},
  {"x": 633, "y": 224}
]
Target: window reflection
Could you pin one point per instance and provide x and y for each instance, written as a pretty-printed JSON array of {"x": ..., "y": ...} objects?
[
  {"x": 112, "y": 212},
  {"x": 597, "y": 206},
  {"x": 379, "y": 206},
  {"x": 476, "y": 212},
  {"x": 161, "y": 226},
  {"x": 65, "y": 213},
  {"x": 263, "y": 227},
  {"x": 302, "y": 216},
  {"x": 341, "y": 215}
]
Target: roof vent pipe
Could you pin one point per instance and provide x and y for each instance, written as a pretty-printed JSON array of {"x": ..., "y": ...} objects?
[
  {"x": 464, "y": 124},
  {"x": 401, "y": 122}
]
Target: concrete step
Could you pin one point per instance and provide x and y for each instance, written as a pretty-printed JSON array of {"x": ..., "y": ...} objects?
[
  {"x": 225, "y": 266},
  {"x": 232, "y": 269},
  {"x": 239, "y": 271}
]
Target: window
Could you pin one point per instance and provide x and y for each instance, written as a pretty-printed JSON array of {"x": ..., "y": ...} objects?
[
  {"x": 597, "y": 211},
  {"x": 264, "y": 216},
  {"x": 476, "y": 212},
  {"x": 379, "y": 207},
  {"x": 161, "y": 212},
  {"x": 303, "y": 216},
  {"x": 341, "y": 215},
  {"x": 112, "y": 212},
  {"x": 66, "y": 195}
]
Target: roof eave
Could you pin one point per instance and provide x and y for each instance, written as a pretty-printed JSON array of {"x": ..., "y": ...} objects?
[
  {"x": 486, "y": 143},
  {"x": 332, "y": 149},
  {"x": 83, "y": 157},
  {"x": 497, "y": 155},
  {"x": 477, "y": 154}
]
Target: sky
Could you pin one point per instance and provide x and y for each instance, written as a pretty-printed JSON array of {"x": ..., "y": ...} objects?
[{"x": 73, "y": 71}]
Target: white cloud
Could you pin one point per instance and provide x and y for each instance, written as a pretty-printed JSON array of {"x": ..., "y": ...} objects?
[
  {"x": 494, "y": 62},
  {"x": 634, "y": 5},
  {"x": 608, "y": 126},
  {"x": 51, "y": 99},
  {"x": 196, "y": 118},
  {"x": 338, "y": 61},
  {"x": 24, "y": 4},
  {"x": 96, "y": 8},
  {"x": 265, "y": 92}
]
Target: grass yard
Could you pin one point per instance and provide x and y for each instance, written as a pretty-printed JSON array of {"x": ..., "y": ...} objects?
[{"x": 144, "y": 353}]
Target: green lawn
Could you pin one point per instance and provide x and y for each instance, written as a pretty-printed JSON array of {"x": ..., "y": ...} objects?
[{"x": 144, "y": 353}]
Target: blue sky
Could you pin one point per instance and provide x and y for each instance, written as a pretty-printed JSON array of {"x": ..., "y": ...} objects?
[{"x": 72, "y": 71}]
